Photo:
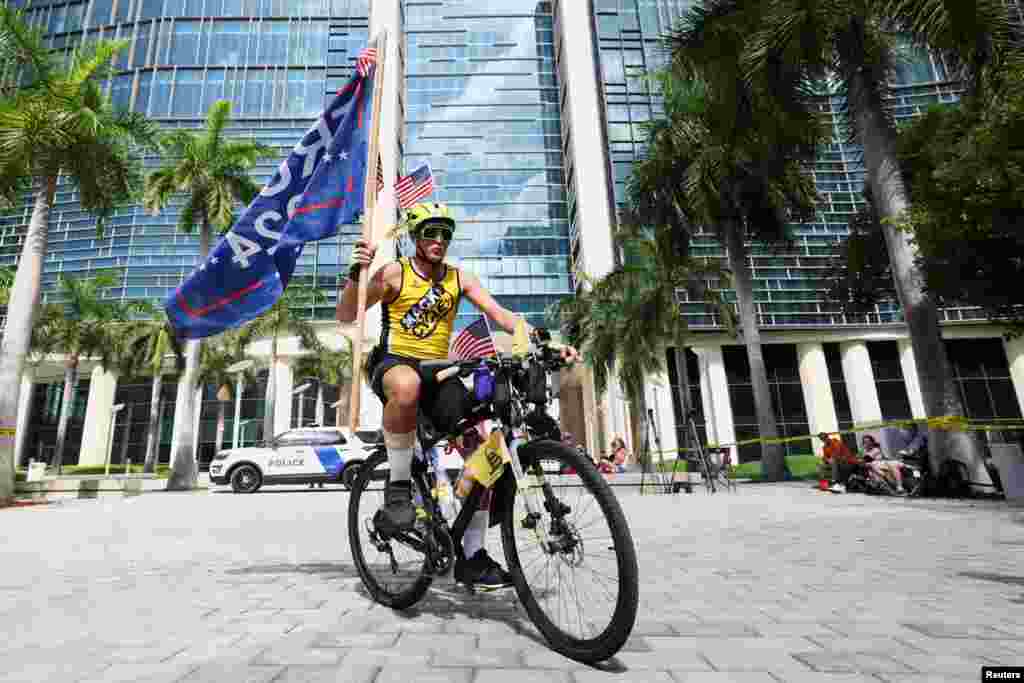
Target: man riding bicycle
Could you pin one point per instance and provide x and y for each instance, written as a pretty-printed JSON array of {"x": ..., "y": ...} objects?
[{"x": 420, "y": 297}]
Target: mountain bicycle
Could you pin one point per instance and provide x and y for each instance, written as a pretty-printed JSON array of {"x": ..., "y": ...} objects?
[{"x": 566, "y": 541}]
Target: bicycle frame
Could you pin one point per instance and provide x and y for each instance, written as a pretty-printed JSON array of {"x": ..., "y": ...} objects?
[{"x": 471, "y": 505}]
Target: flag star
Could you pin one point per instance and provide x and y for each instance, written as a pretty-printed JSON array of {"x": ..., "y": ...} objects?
[
  {"x": 328, "y": 158},
  {"x": 343, "y": 155},
  {"x": 214, "y": 260},
  {"x": 202, "y": 267}
]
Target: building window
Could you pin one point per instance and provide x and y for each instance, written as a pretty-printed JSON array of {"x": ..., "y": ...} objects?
[
  {"x": 892, "y": 390},
  {"x": 982, "y": 375},
  {"x": 684, "y": 438},
  {"x": 787, "y": 398},
  {"x": 840, "y": 398}
]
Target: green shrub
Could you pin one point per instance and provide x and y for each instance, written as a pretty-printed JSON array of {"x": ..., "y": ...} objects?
[{"x": 800, "y": 466}]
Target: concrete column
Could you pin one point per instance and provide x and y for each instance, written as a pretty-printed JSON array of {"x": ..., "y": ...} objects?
[
  {"x": 24, "y": 414},
  {"x": 98, "y": 411},
  {"x": 860, "y": 382},
  {"x": 818, "y": 400},
  {"x": 283, "y": 402},
  {"x": 714, "y": 389},
  {"x": 909, "y": 366},
  {"x": 659, "y": 399},
  {"x": 592, "y": 436},
  {"x": 582, "y": 116},
  {"x": 1015, "y": 357},
  {"x": 618, "y": 412}
]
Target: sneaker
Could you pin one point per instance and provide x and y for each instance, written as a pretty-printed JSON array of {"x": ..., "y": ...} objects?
[
  {"x": 837, "y": 488},
  {"x": 482, "y": 571},
  {"x": 398, "y": 512}
]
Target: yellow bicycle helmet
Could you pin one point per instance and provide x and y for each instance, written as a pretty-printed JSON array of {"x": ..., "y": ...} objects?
[{"x": 427, "y": 212}]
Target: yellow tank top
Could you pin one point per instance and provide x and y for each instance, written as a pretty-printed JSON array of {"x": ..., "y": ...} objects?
[{"x": 418, "y": 322}]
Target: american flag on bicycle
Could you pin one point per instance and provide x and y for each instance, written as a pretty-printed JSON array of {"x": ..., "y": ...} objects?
[{"x": 473, "y": 342}]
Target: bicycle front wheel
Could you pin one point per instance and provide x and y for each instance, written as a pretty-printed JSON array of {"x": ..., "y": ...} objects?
[
  {"x": 580, "y": 588},
  {"x": 394, "y": 570}
]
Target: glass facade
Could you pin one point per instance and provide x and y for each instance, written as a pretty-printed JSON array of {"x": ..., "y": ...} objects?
[
  {"x": 482, "y": 108},
  {"x": 786, "y": 280}
]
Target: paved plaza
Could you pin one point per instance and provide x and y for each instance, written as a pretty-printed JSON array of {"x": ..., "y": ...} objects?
[{"x": 774, "y": 584}]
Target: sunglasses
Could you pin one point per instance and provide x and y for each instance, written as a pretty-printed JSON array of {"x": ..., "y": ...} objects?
[{"x": 436, "y": 232}]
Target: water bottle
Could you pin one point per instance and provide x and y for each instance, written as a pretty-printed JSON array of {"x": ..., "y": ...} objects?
[{"x": 443, "y": 492}]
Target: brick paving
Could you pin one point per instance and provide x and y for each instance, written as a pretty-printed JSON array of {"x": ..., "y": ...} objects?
[{"x": 775, "y": 584}]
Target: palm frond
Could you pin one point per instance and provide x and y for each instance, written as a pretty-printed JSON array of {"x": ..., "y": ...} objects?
[{"x": 216, "y": 121}]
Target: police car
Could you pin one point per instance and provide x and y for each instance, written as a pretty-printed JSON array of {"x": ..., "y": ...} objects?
[{"x": 299, "y": 456}]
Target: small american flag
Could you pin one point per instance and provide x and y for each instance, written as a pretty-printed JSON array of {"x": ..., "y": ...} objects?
[
  {"x": 415, "y": 186},
  {"x": 365, "y": 61},
  {"x": 473, "y": 342}
]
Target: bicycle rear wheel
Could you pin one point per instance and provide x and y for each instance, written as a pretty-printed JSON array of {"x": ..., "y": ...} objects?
[
  {"x": 395, "y": 570},
  {"x": 581, "y": 590}
]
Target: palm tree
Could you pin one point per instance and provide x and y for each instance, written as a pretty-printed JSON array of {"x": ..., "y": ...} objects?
[
  {"x": 212, "y": 173},
  {"x": 328, "y": 367},
  {"x": 153, "y": 343},
  {"x": 848, "y": 41},
  {"x": 25, "y": 63},
  {"x": 214, "y": 360},
  {"x": 84, "y": 329},
  {"x": 728, "y": 159},
  {"x": 6, "y": 282},
  {"x": 61, "y": 126},
  {"x": 624, "y": 322},
  {"x": 282, "y": 319}
]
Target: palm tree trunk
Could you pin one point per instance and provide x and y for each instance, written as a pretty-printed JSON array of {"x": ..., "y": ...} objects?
[
  {"x": 66, "y": 404},
  {"x": 773, "y": 463},
  {"x": 683, "y": 375},
  {"x": 269, "y": 397},
  {"x": 183, "y": 465},
  {"x": 889, "y": 193},
  {"x": 184, "y": 471},
  {"x": 639, "y": 420},
  {"x": 21, "y": 314},
  {"x": 129, "y": 409},
  {"x": 222, "y": 407},
  {"x": 154, "y": 425}
]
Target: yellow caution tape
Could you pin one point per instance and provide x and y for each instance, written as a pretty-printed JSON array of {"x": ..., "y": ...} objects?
[{"x": 943, "y": 423}]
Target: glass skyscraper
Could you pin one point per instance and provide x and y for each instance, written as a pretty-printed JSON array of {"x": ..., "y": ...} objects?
[{"x": 482, "y": 109}]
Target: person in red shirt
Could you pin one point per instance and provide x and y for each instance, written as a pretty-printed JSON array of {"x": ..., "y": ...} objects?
[{"x": 842, "y": 459}]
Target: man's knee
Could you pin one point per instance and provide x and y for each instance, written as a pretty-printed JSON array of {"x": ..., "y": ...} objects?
[{"x": 402, "y": 386}]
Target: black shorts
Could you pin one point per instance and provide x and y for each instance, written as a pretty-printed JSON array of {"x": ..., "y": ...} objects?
[{"x": 445, "y": 403}]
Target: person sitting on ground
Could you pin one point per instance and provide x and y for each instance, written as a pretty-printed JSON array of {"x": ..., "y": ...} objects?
[
  {"x": 619, "y": 453},
  {"x": 878, "y": 465},
  {"x": 843, "y": 461}
]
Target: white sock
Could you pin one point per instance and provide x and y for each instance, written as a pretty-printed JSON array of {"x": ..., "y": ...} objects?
[
  {"x": 400, "y": 450},
  {"x": 476, "y": 530}
]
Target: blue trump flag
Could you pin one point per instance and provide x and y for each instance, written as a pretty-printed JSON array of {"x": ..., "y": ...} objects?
[{"x": 319, "y": 187}]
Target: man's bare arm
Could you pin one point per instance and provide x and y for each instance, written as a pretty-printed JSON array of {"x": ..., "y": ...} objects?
[
  {"x": 475, "y": 292},
  {"x": 379, "y": 287}
]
